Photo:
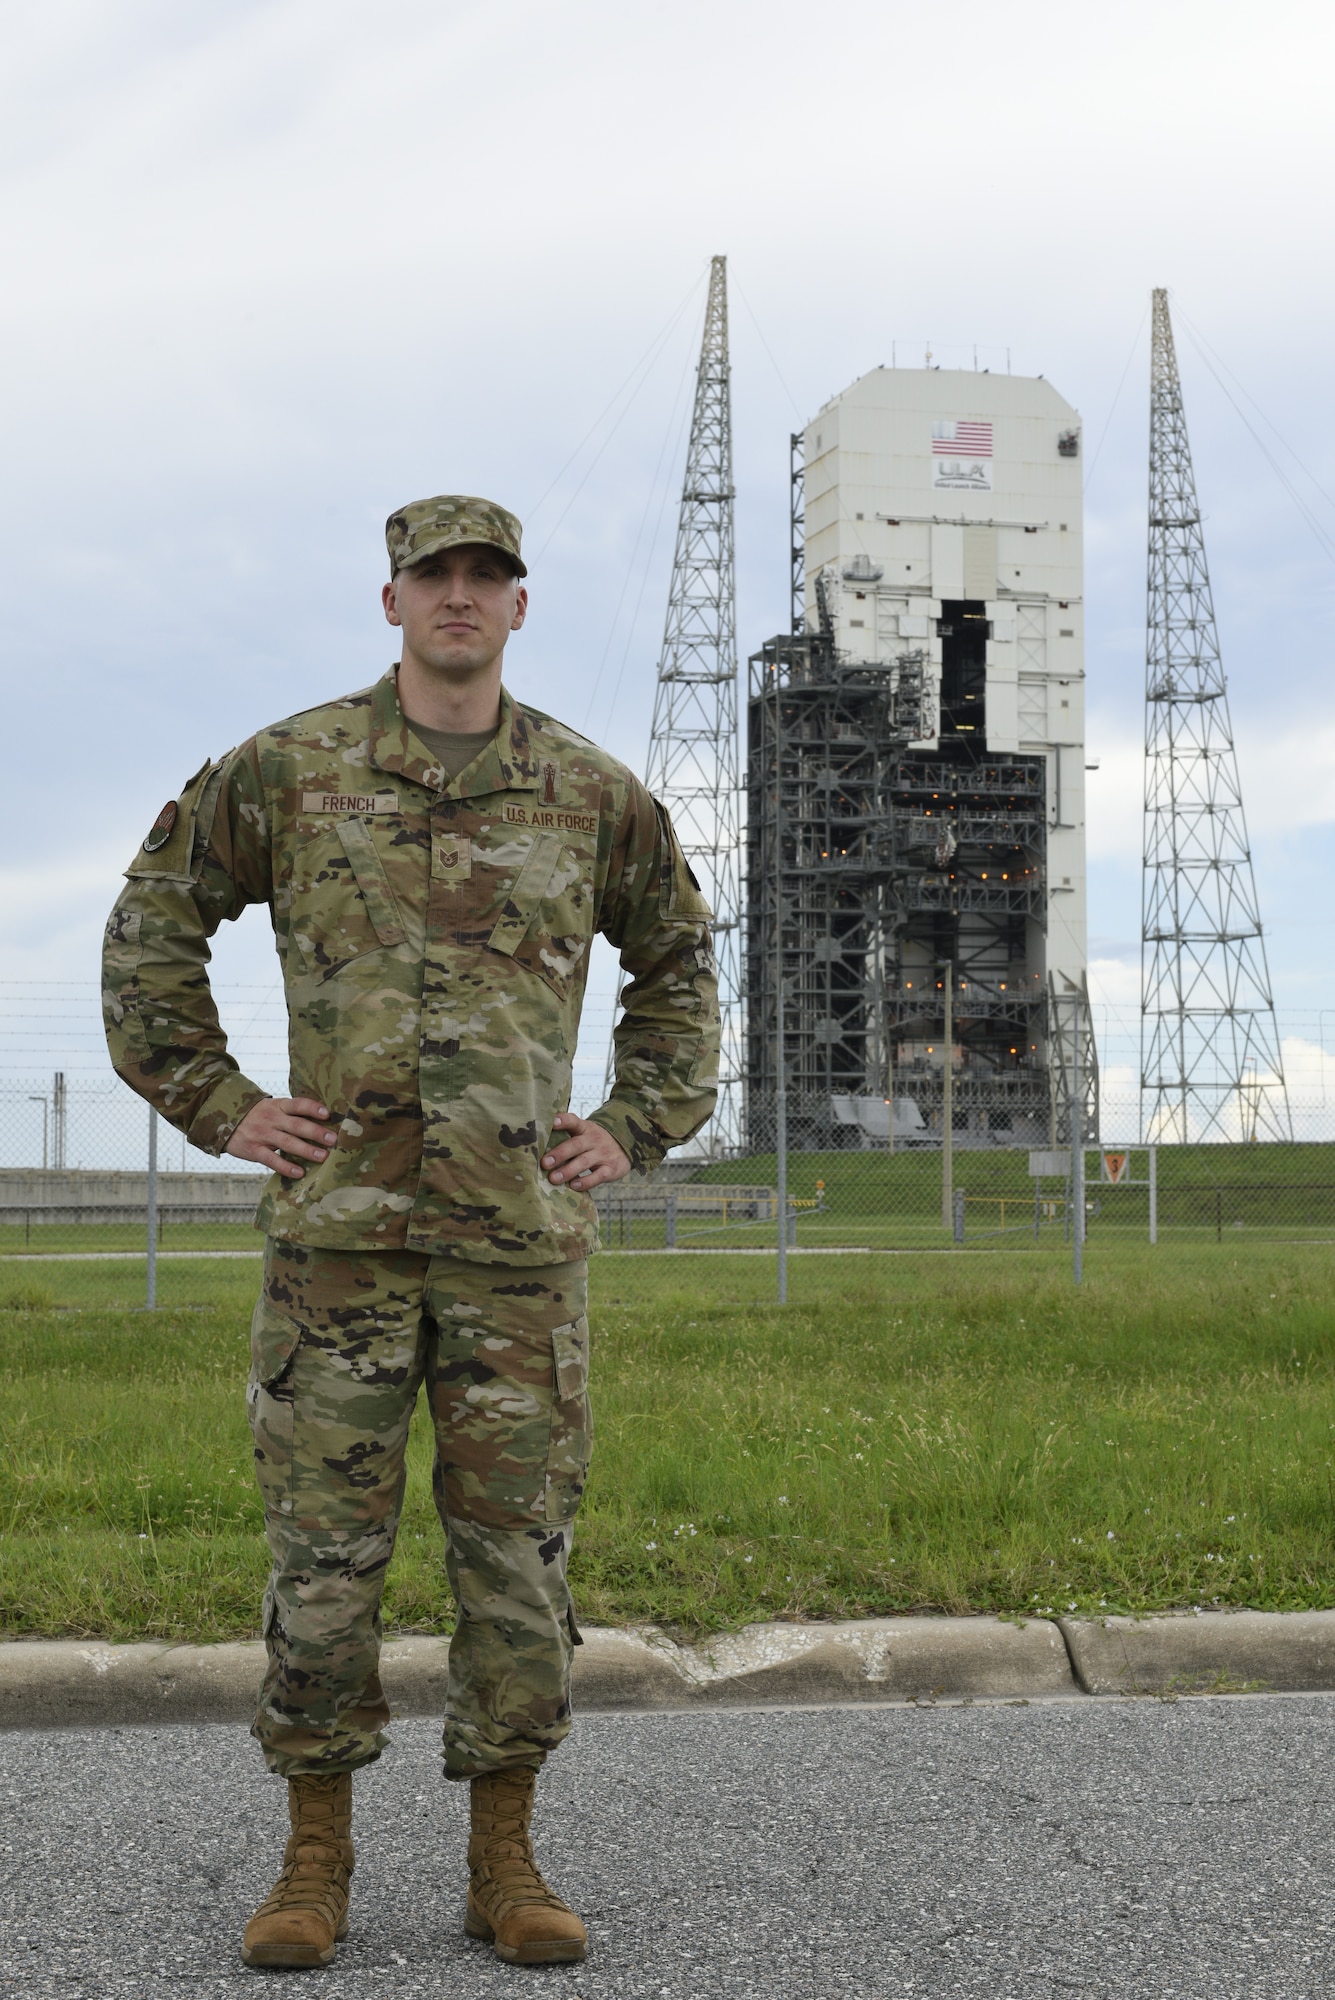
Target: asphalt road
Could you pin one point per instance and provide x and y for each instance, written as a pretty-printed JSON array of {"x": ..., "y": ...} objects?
[{"x": 1176, "y": 1851}]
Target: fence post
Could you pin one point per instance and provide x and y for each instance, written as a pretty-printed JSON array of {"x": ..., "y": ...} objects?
[
  {"x": 1154, "y": 1194},
  {"x": 780, "y": 1025},
  {"x": 957, "y": 1206},
  {"x": 1078, "y": 1203},
  {"x": 670, "y": 1222},
  {"x": 947, "y": 1104},
  {"x": 1078, "y": 1145},
  {"x": 151, "y": 1284}
]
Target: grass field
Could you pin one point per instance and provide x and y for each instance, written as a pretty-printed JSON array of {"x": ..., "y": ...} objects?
[{"x": 922, "y": 1433}]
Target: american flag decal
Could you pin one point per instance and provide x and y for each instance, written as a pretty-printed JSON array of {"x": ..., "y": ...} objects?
[{"x": 968, "y": 438}]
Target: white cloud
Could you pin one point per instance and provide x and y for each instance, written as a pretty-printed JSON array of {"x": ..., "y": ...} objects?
[
  {"x": 1114, "y": 985},
  {"x": 1287, "y": 781},
  {"x": 1308, "y": 1066}
]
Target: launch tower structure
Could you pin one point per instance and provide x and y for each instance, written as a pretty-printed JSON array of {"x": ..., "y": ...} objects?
[
  {"x": 693, "y": 753},
  {"x": 1209, "y": 1045},
  {"x": 915, "y": 769}
]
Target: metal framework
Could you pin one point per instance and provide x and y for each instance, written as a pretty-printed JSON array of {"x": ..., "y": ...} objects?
[
  {"x": 874, "y": 874},
  {"x": 1073, "y": 1062},
  {"x": 693, "y": 756},
  {"x": 1209, "y": 1047}
]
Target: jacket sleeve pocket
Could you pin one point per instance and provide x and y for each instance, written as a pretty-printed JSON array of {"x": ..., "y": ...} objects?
[
  {"x": 530, "y": 887},
  {"x": 181, "y": 857},
  {"x": 372, "y": 880},
  {"x": 679, "y": 894}
]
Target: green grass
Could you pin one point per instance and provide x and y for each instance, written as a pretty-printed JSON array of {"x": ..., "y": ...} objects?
[{"x": 936, "y": 1433}]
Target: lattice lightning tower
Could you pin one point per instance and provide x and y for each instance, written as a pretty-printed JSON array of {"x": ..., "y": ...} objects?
[
  {"x": 1209, "y": 1047},
  {"x": 693, "y": 765}
]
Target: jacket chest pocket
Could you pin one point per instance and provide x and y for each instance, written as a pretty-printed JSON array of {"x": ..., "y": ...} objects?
[
  {"x": 545, "y": 922},
  {"x": 343, "y": 903}
]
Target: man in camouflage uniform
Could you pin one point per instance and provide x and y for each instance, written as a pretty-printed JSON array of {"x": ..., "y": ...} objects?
[{"x": 436, "y": 859}]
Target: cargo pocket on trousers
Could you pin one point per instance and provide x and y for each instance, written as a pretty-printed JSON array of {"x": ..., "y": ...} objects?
[
  {"x": 270, "y": 1402},
  {"x": 572, "y": 1420}
]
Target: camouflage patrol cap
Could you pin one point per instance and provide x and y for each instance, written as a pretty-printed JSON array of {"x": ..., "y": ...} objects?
[{"x": 425, "y": 526}]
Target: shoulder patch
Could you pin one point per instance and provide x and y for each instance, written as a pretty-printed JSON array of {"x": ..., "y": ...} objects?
[
  {"x": 160, "y": 832},
  {"x": 167, "y": 851}
]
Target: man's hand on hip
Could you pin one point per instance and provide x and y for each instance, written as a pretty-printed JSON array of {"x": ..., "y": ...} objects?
[
  {"x": 281, "y": 1130},
  {"x": 586, "y": 1157}
]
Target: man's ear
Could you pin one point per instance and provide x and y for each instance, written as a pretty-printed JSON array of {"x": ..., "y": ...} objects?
[
  {"x": 521, "y": 608},
  {"x": 390, "y": 602}
]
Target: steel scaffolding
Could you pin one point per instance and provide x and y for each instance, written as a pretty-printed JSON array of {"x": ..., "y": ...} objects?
[
  {"x": 1209, "y": 1048},
  {"x": 876, "y": 877},
  {"x": 693, "y": 760}
]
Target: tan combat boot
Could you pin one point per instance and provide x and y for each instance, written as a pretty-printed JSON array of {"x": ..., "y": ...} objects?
[
  {"x": 306, "y": 1911},
  {"x": 508, "y": 1901}
]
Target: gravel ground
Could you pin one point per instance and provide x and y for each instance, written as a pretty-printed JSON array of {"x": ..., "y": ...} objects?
[{"x": 1176, "y": 1851}]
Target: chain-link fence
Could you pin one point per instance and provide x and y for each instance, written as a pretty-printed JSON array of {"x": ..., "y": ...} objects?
[
  {"x": 154, "y": 1234},
  {"x": 88, "y": 1219}
]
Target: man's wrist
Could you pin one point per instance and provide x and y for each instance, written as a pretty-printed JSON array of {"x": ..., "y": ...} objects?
[
  {"x": 639, "y": 1139},
  {"x": 222, "y": 1111}
]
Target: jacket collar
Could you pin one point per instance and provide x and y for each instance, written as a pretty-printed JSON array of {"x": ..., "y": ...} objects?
[{"x": 507, "y": 764}]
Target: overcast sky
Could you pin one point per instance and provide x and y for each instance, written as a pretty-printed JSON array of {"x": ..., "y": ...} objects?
[{"x": 273, "y": 269}]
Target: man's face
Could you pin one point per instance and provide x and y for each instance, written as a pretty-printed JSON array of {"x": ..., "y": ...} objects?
[{"x": 457, "y": 608}]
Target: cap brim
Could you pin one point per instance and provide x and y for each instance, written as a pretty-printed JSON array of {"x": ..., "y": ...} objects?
[{"x": 434, "y": 546}]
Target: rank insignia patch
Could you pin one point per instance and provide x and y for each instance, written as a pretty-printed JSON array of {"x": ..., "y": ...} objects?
[
  {"x": 551, "y": 778},
  {"x": 160, "y": 832}
]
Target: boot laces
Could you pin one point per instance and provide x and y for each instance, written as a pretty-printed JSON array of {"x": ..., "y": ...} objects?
[
  {"x": 505, "y": 1873},
  {"x": 317, "y": 1861},
  {"x": 513, "y": 1883}
]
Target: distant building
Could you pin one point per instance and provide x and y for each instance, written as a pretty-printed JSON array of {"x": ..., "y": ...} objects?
[{"x": 916, "y": 769}]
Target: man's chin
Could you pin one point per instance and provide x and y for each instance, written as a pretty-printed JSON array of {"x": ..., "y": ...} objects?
[{"x": 454, "y": 660}]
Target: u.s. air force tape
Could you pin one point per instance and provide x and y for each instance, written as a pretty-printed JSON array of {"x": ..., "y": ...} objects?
[{"x": 349, "y": 802}]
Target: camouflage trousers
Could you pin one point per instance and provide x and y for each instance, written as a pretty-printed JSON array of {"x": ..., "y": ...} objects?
[{"x": 340, "y": 1344}]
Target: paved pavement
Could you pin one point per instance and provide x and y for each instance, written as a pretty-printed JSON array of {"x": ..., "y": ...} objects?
[{"x": 1171, "y": 1850}]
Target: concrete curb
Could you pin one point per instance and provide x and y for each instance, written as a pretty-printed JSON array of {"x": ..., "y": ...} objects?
[
  {"x": 75, "y": 1683},
  {"x": 1198, "y": 1652}
]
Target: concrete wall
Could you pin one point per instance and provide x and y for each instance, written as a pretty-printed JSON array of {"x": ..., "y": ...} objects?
[{"x": 22, "y": 1187}]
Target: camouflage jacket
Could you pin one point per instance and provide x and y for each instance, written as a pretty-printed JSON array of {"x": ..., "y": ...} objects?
[{"x": 435, "y": 941}]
